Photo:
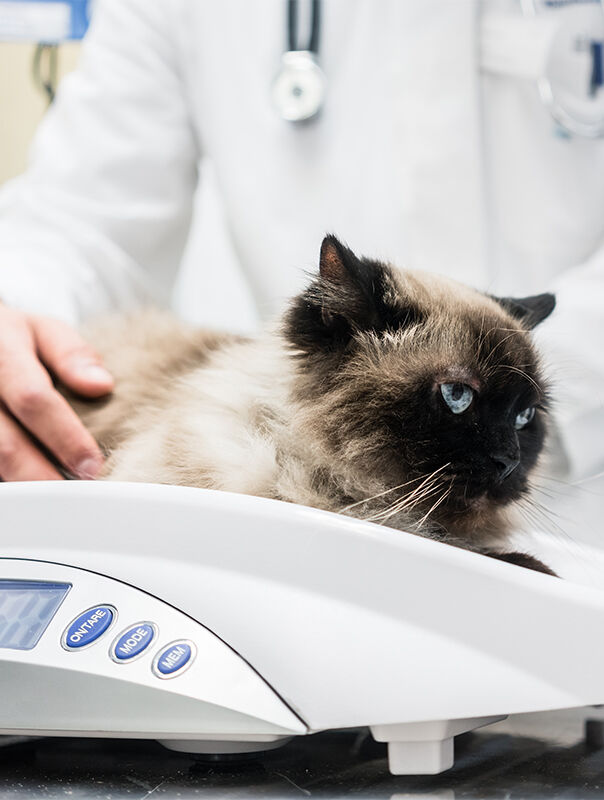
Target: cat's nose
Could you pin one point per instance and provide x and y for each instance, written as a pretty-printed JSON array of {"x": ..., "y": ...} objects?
[{"x": 505, "y": 464}]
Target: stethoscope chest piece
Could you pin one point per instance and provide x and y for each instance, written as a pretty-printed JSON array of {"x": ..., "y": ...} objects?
[
  {"x": 572, "y": 85},
  {"x": 299, "y": 88}
]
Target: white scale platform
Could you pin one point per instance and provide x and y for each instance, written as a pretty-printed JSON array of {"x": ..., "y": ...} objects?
[{"x": 290, "y": 621}]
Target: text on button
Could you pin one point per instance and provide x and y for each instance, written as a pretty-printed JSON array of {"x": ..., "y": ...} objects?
[
  {"x": 173, "y": 658},
  {"x": 133, "y": 641},
  {"x": 88, "y": 627}
]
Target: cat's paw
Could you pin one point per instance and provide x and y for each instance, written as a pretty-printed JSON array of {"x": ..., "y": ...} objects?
[{"x": 523, "y": 560}]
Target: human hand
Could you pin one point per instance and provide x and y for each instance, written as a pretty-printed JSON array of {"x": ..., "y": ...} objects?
[{"x": 31, "y": 348}]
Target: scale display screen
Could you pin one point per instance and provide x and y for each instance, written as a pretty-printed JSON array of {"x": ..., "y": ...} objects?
[{"x": 26, "y": 609}]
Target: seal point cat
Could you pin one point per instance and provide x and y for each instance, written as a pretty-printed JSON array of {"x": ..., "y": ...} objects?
[{"x": 398, "y": 397}]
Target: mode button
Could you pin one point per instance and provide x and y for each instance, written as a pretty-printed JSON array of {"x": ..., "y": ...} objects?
[{"x": 133, "y": 642}]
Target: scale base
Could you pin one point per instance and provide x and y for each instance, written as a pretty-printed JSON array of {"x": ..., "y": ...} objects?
[{"x": 225, "y": 747}]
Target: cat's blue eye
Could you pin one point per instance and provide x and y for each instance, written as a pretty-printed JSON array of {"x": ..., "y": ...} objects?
[
  {"x": 524, "y": 417},
  {"x": 457, "y": 396}
]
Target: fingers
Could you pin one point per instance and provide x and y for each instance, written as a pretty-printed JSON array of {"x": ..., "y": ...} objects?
[
  {"x": 70, "y": 358},
  {"x": 20, "y": 460},
  {"x": 29, "y": 395}
]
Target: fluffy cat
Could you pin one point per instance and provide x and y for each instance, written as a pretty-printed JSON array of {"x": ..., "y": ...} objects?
[{"x": 398, "y": 397}]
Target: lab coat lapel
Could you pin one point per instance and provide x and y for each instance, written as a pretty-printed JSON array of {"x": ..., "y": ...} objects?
[{"x": 441, "y": 131}]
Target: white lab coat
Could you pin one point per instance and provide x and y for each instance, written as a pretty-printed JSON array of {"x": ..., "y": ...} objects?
[{"x": 433, "y": 150}]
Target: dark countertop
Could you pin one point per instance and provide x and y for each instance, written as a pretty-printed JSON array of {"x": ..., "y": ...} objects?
[{"x": 529, "y": 756}]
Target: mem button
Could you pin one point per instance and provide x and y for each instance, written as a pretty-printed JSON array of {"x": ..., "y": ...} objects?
[
  {"x": 88, "y": 627},
  {"x": 133, "y": 641},
  {"x": 174, "y": 659}
]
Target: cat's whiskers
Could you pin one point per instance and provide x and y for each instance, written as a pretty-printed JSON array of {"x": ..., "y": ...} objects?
[
  {"x": 491, "y": 354},
  {"x": 378, "y": 495},
  {"x": 539, "y": 519},
  {"x": 525, "y": 375},
  {"x": 481, "y": 334},
  {"x": 429, "y": 482},
  {"x": 406, "y": 505},
  {"x": 430, "y": 485},
  {"x": 579, "y": 484},
  {"x": 407, "y": 502},
  {"x": 482, "y": 338},
  {"x": 465, "y": 491},
  {"x": 440, "y": 500},
  {"x": 421, "y": 478},
  {"x": 402, "y": 504},
  {"x": 547, "y": 514},
  {"x": 542, "y": 518}
]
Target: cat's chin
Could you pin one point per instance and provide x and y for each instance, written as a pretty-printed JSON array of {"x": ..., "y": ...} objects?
[
  {"x": 489, "y": 498},
  {"x": 486, "y": 502},
  {"x": 479, "y": 504},
  {"x": 476, "y": 521}
]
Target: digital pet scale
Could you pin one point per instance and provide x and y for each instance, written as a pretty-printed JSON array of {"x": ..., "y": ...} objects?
[{"x": 220, "y": 623}]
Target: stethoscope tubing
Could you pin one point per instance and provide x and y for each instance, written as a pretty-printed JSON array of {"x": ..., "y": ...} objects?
[
  {"x": 300, "y": 72},
  {"x": 292, "y": 27}
]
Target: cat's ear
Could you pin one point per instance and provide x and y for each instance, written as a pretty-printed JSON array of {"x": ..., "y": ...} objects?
[
  {"x": 337, "y": 263},
  {"x": 351, "y": 290},
  {"x": 529, "y": 310},
  {"x": 349, "y": 295}
]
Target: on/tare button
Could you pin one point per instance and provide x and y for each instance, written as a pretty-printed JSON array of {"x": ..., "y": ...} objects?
[
  {"x": 173, "y": 659},
  {"x": 133, "y": 642},
  {"x": 88, "y": 627}
]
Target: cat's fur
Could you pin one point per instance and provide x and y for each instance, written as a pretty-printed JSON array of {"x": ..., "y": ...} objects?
[{"x": 338, "y": 406}]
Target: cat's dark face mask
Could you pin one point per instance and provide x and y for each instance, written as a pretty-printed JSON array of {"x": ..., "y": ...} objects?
[{"x": 421, "y": 383}]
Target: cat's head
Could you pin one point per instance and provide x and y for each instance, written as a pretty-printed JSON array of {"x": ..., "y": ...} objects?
[{"x": 411, "y": 380}]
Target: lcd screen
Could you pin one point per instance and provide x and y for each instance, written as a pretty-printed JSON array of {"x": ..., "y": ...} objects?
[{"x": 26, "y": 608}]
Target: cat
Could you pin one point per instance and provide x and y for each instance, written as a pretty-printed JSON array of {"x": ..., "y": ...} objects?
[{"x": 393, "y": 396}]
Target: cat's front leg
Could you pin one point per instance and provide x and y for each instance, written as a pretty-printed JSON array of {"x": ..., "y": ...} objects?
[{"x": 522, "y": 560}]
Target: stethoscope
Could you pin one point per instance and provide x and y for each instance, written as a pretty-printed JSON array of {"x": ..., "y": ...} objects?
[
  {"x": 577, "y": 110},
  {"x": 298, "y": 91}
]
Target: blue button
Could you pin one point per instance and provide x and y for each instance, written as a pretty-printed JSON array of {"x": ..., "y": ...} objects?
[
  {"x": 173, "y": 658},
  {"x": 133, "y": 641},
  {"x": 88, "y": 627}
]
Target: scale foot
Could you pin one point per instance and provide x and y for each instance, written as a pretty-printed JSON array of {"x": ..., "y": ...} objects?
[
  {"x": 226, "y": 747},
  {"x": 424, "y": 748},
  {"x": 594, "y": 733}
]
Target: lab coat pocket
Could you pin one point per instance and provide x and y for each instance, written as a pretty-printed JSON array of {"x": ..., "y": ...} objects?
[{"x": 543, "y": 113}]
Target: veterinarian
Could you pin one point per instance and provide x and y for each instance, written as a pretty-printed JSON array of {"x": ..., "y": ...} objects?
[{"x": 460, "y": 137}]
